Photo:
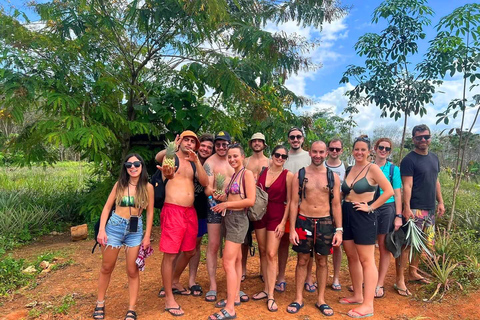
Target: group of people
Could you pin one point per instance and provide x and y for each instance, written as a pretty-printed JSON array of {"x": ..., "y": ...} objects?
[{"x": 315, "y": 204}]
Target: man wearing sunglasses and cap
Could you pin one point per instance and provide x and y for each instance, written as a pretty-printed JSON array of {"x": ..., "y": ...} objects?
[
  {"x": 178, "y": 219},
  {"x": 421, "y": 187}
]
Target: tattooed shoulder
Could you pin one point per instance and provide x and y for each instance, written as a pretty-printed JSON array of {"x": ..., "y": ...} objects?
[{"x": 208, "y": 170}]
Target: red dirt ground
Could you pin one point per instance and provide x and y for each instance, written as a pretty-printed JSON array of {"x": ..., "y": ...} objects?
[{"x": 80, "y": 279}]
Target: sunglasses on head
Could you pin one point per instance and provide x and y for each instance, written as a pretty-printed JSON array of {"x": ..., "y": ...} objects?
[
  {"x": 233, "y": 145},
  {"x": 388, "y": 149},
  {"x": 364, "y": 139},
  {"x": 278, "y": 155},
  {"x": 425, "y": 136},
  {"x": 136, "y": 164},
  {"x": 334, "y": 149},
  {"x": 298, "y": 136}
]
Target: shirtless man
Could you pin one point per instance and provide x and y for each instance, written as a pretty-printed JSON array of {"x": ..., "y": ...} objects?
[
  {"x": 214, "y": 165},
  {"x": 178, "y": 219},
  {"x": 314, "y": 230},
  {"x": 335, "y": 150},
  {"x": 253, "y": 163}
]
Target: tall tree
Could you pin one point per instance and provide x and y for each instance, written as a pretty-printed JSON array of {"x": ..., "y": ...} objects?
[
  {"x": 98, "y": 72},
  {"x": 456, "y": 50},
  {"x": 388, "y": 78}
]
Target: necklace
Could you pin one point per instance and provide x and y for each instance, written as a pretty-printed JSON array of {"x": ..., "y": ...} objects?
[{"x": 132, "y": 184}]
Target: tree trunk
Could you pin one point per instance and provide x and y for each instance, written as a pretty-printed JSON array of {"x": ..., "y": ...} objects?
[{"x": 403, "y": 138}]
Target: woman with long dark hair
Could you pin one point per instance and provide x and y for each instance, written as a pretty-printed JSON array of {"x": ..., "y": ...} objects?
[
  {"x": 360, "y": 225},
  {"x": 240, "y": 195},
  {"x": 131, "y": 194},
  {"x": 276, "y": 181}
]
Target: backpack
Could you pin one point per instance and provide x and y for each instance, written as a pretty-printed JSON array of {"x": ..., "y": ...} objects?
[
  {"x": 259, "y": 208},
  {"x": 330, "y": 183},
  {"x": 96, "y": 228},
  {"x": 390, "y": 178},
  {"x": 159, "y": 184}
]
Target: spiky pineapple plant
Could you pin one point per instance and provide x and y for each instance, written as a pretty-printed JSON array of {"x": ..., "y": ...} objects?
[
  {"x": 219, "y": 183},
  {"x": 169, "y": 159}
]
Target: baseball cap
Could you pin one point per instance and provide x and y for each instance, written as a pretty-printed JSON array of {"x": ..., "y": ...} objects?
[
  {"x": 189, "y": 133},
  {"x": 223, "y": 135}
]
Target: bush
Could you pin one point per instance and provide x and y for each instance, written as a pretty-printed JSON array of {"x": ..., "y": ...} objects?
[{"x": 11, "y": 275}]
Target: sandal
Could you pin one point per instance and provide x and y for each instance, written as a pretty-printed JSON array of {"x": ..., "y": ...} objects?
[
  {"x": 324, "y": 307},
  {"x": 99, "y": 312},
  {"x": 309, "y": 287},
  {"x": 196, "y": 290},
  {"x": 402, "y": 292},
  {"x": 260, "y": 296},
  {"x": 169, "y": 310},
  {"x": 295, "y": 305},
  {"x": 280, "y": 287},
  {"x": 161, "y": 293},
  {"x": 222, "y": 303},
  {"x": 211, "y": 293},
  {"x": 131, "y": 315},
  {"x": 222, "y": 315},
  {"x": 381, "y": 295},
  {"x": 270, "y": 308},
  {"x": 336, "y": 287},
  {"x": 243, "y": 296}
]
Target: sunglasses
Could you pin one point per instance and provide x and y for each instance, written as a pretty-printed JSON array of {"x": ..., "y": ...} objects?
[
  {"x": 335, "y": 149},
  {"x": 425, "y": 136},
  {"x": 388, "y": 149},
  {"x": 136, "y": 164},
  {"x": 233, "y": 145},
  {"x": 221, "y": 145},
  {"x": 364, "y": 139},
  {"x": 298, "y": 136},
  {"x": 278, "y": 155}
]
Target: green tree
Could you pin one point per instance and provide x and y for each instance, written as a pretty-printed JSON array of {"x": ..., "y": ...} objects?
[
  {"x": 98, "y": 73},
  {"x": 456, "y": 50},
  {"x": 388, "y": 78}
]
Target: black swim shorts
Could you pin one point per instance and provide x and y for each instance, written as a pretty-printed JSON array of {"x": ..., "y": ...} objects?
[{"x": 314, "y": 233}]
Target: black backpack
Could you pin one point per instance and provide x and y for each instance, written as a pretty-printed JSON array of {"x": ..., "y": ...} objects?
[
  {"x": 330, "y": 183},
  {"x": 159, "y": 184}
]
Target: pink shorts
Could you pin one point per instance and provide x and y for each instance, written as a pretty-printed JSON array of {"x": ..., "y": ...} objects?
[{"x": 179, "y": 228}]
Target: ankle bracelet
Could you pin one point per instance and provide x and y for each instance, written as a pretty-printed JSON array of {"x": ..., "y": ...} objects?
[{"x": 100, "y": 302}]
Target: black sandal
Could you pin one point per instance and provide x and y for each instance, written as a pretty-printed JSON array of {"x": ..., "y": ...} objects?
[
  {"x": 131, "y": 315},
  {"x": 99, "y": 312}
]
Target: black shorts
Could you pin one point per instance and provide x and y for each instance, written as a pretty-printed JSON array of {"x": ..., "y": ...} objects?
[
  {"x": 314, "y": 233},
  {"x": 385, "y": 217},
  {"x": 214, "y": 217},
  {"x": 359, "y": 226}
]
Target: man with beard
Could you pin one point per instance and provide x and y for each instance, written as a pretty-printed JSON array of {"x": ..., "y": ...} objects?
[
  {"x": 178, "y": 219},
  {"x": 297, "y": 158},
  {"x": 335, "y": 150},
  {"x": 215, "y": 165},
  {"x": 421, "y": 187},
  {"x": 201, "y": 207},
  {"x": 314, "y": 225}
]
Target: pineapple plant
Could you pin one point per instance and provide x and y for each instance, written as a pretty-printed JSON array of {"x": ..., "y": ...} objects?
[
  {"x": 219, "y": 183},
  {"x": 169, "y": 159}
]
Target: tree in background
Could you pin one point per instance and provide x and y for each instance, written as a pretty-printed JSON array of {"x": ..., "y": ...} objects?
[
  {"x": 456, "y": 49},
  {"x": 388, "y": 78},
  {"x": 97, "y": 73}
]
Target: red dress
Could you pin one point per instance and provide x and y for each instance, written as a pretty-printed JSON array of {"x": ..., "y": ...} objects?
[{"x": 277, "y": 196}]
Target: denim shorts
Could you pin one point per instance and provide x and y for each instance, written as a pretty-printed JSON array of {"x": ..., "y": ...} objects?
[{"x": 118, "y": 233}]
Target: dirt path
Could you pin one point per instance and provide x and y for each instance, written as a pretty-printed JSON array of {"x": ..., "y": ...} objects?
[{"x": 80, "y": 280}]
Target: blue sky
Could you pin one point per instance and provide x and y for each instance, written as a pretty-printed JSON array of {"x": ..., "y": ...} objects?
[{"x": 336, "y": 52}]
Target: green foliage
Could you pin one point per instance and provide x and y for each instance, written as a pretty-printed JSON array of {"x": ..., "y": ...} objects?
[{"x": 11, "y": 275}]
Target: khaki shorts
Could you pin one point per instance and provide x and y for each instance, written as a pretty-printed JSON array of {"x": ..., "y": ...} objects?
[{"x": 235, "y": 225}]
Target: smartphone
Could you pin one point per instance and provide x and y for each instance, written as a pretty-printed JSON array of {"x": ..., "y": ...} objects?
[{"x": 133, "y": 224}]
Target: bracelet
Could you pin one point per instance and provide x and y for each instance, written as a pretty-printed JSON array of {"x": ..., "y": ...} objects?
[
  {"x": 370, "y": 209},
  {"x": 398, "y": 216},
  {"x": 339, "y": 229}
]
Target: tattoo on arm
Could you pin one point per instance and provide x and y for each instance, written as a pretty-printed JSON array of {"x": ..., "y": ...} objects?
[{"x": 208, "y": 170}]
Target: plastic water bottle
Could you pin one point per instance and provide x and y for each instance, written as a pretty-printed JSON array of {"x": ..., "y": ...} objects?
[{"x": 211, "y": 202}]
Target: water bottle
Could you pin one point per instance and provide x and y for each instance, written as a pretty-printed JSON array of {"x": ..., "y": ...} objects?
[{"x": 211, "y": 202}]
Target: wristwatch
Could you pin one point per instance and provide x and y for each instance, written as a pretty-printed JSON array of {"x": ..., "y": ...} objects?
[
  {"x": 398, "y": 216},
  {"x": 339, "y": 229}
]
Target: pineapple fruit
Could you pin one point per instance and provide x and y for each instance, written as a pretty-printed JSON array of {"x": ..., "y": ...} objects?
[
  {"x": 219, "y": 183},
  {"x": 169, "y": 159}
]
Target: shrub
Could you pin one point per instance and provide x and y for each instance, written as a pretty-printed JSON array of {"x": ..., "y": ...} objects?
[{"x": 11, "y": 275}]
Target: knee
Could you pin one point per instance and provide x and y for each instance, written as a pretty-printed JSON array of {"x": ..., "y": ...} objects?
[
  {"x": 107, "y": 268},
  {"x": 189, "y": 254},
  {"x": 132, "y": 271},
  {"x": 272, "y": 256},
  {"x": 229, "y": 264},
  {"x": 322, "y": 263},
  {"x": 302, "y": 261},
  {"x": 213, "y": 246}
]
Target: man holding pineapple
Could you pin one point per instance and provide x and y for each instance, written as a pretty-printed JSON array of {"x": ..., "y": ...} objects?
[
  {"x": 219, "y": 173},
  {"x": 178, "y": 219}
]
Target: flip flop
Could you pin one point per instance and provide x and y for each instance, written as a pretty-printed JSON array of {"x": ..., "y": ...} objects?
[
  {"x": 358, "y": 314},
  {"x": 161, "y": 293},
  {"x": 222, "y": 303},
  {"x": 222, "y": 315},
  {"x": 131, "y": 315},
  {"x": 401, "y": 292},
  {"x": 421, "y": 281},
  {"x": 346, "y": 301},
  {"x": 336, "y": 287},
  {"x": 211, "y": 293},
  {"x": 169, "y": 310},
  {"x": 270, "y": 308},
  {"x": 244, "y": 276},
  {"x": 379, "y": 296},
  {"x": 280, "y": 287},
  {"x": 324, "y": 307},
  {"x": 196, "y": 288},
  {"x": 309, "y": 287},
  {"x": 243, "y": 296},
  {"x": 296, "y": 305},
  {"x": 183, "y": 292},
  {"x": 256, "y": 296}
]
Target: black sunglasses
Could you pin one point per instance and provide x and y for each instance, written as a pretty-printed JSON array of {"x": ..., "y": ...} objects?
[
  {"x": 136, "y": 164},
  {"x": 278, "y": 155},
  {"x": 425, "y": 136},
  {"x": 388, "y": 149},
  {"x": 335, "y": 149},
  {"x": 298, "y": 136},
  {"x": 222, "y": 145},
  {"x": 364, "y": 139},
  {"x": 233, "y": 145}
]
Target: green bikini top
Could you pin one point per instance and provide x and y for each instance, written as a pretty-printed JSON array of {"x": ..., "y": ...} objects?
[
  {"x": 127, "y": 201},
  {"x": 360, "y": 186}
]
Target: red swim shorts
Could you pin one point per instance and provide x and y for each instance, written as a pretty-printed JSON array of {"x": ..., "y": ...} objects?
[{"x": 179, "y": 228}]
